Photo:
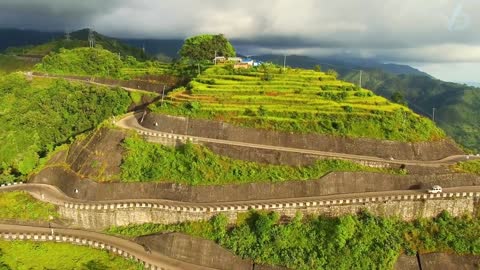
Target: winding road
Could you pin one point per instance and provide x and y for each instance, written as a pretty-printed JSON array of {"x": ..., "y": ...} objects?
[
  {"x": 131, "y": 122},
  {"x": 155, "y": 260},
  {"x": 150, "y": 258}
]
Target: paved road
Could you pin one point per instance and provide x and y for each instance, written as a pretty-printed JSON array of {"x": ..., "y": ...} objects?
[
  {"x": 130, "y": 122},
  {"x": 55, "y": 196},
  {"x": 152, "y": 258}
]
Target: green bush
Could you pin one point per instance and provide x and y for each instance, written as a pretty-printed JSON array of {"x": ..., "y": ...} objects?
[
  {"x": 38, "y": 115},
  {"x": 358, "y": 241},
  {"x": 196, "y": 165},
  {"x": 22, "y": 206}
]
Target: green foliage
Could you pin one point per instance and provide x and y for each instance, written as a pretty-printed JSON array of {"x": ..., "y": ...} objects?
[
  {"x": 197, "y": 165},
  {"x": 38, "y": 115},
  {"x": 472, "y": 166},
  {"x": 295, "y": 100},
  {"x": 82, "y": 61},
  {"x": 97, "y": 62},
  {"x": 348, "y": 242},
  {"x": 397, "y": 97},
  {"x": 20, "y": 205},
  {"x": 203, "y": 47},
  {"x": 35, "y": 255}
]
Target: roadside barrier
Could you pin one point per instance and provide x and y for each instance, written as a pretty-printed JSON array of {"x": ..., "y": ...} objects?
[{"x": 64, "y": 238}]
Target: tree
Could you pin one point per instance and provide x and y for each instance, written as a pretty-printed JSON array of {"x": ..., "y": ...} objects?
[
  {"x": 397, "y": 97},
  {"x": 203, "y": 47},
  {"x": 317, "y": 68},
  {"x": 332, "y": 73}
]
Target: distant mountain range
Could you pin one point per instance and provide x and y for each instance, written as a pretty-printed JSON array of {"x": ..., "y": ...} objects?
[{"x": 457, "y": 105}]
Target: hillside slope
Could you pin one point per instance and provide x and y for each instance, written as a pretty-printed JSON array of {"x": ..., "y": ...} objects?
[
  {"x": 456, "y": 106},
  {"x": 296, "y": 100},
  {"x": 79, "y": 39}
]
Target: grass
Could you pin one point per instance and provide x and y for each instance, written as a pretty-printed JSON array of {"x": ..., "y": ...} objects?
[
  {"x": 359, "y": 241},
  {"x": 20, "y": 205},
  {"x": 295, "y": 100},
  {"x": 197, "y": 165},
  {"x": 471, "y": 166},
  {"x": 24, "y": 255}
]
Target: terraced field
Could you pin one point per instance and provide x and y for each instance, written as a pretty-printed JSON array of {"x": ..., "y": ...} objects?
[{"x": 295, "y": 100}]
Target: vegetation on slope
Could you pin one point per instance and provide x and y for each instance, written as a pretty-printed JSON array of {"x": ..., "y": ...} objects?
[
  {"x": 472, "y": 166},
  {"x": 456, "y": 106},
  {"x": 35, "y": 255},
  {"x": 296, "y": 100},
  {"x": 20, "y": 205},
  {"x": 97, "y": 62},
  {"x": 348, "y": 242},
  {"x": 9, "y": 64},
  {"x": 197, "y": 165},
  {"x": 40, "y": 114}
]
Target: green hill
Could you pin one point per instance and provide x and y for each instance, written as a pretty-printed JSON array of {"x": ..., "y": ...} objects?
[
  {"x": 79, "y": 39},
  {"x": 296, "y": 100},
  {"x": 38, "y": 115},
  {"x": 98, "y": 62}
]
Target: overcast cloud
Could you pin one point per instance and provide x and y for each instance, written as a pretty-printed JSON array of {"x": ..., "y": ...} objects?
[{"x": 428, "y": 32}]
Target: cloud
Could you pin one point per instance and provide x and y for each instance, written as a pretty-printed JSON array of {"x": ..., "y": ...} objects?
[{"x": 409, "y": 30}]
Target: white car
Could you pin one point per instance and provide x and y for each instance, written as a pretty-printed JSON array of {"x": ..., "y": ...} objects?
[{"x": 435, "y": 189}]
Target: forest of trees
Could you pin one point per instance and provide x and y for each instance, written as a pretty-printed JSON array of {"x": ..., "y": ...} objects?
[{"x": 36, "y": 116}]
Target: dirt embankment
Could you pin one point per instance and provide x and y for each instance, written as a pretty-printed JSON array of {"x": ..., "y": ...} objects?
[
  {"x": 333, "y": 183},
  {"x": 358, "y": 146},
  {"x": 97, "y": 156}
]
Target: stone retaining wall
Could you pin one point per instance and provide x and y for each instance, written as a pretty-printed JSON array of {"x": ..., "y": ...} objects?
[
  {"x": 359, "y": 146},
  {"x": 406, "y": 207}
]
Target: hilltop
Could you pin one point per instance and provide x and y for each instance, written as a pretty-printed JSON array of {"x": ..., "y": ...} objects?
[
  {"x": 296, "y": 100},
  {"x": 78, "y": 39}
]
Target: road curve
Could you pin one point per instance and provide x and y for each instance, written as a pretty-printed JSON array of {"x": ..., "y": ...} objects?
[
  {"x": 51, "y": 194},
  {"x": 129, "y": 249},
  {"x": 130, "y": 122}
]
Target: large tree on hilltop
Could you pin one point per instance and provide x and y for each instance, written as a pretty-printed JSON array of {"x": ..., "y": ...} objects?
[{"x": 203, "y": 47}]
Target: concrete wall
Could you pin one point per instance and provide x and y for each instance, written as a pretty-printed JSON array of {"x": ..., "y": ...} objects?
[
  {"x": 195, "y": 250},
  {"x": 333, "y": 183},
  {"x": 359, "y": 146}
]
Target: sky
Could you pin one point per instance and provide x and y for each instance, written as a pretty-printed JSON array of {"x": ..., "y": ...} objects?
[{"x": 441, "y": 37}]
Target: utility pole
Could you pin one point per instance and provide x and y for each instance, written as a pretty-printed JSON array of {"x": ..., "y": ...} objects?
[
  {"x": 433, "y": 114},
  {"x": 163, "y": 94},
  {"x": 215, "y": 59},
  {"x": 91, "y": 38},
  {"x": 198, "y": 66},
  {"x": 67, "y": 36},
  {"x": 284, "y": 61},
  {"x": 360, "y": 83}
]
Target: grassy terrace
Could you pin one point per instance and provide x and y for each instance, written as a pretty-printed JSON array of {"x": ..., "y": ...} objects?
[
  {"x": 33, "y": 255},
  {"x": 295, "y": 100},
  {"x": 22, "y": 206}
]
